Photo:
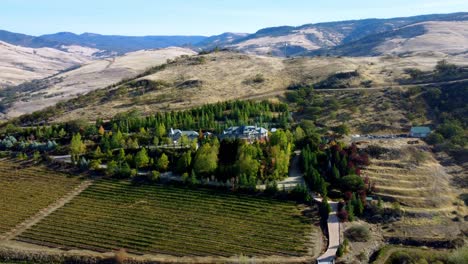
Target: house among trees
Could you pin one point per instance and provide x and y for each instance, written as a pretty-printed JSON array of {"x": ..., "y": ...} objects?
[
  {"x": 177, "y": 134},
  {"x": 249, "y": 133},
  {"x": 420, "y": 132}
]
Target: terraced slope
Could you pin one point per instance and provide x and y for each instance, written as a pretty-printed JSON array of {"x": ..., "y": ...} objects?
[
  {"x": 410, "y": 176},
  {"x": 25, "y": 190},
  {"x": 175, "y": 221}
]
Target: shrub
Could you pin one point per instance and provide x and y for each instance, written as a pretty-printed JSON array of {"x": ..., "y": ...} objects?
[
  {"x": 459, "y": 256},
  {"x": 300, "y": 193},
  {"x": 271, "y": 188},
  {"x": 340, "y": 251},
  {"x": 154, "y": 176},
  {"x": 358, "y": 233},
  {"x": 401, "y": 258}
]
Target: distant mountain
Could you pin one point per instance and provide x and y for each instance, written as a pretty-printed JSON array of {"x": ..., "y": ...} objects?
[
  {"x": 221, "y": 40},
  {"x": 121, "y": 44},
  {"x": 449, "y": 37},
  {"x": 324, "y": 37},
  {"x": 109, "y": 43},
  {"x": 26, "y": 40},
  {"x": 365, "y": 37}
]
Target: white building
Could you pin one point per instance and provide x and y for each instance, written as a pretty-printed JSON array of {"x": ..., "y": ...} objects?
[{"x": 176, "y": 134}]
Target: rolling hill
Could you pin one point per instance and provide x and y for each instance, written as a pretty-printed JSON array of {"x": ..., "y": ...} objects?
[
  {"x": 91, "y": 76},
  {"x": 323, "y": 37},
  {"x": 448, "y": 37},
  {"x": 19, "y": 64},
  {"x": 191, "y": 81}
]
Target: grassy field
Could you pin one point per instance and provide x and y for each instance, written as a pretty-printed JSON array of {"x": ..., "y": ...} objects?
[
  {"x": 410, "y": 176},
  {"x": 155, "y": 219},
  {"x": 399, "y": 254},
  {"x": 25, "y": 190}
]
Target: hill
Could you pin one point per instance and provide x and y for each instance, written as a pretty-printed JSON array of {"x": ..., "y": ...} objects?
[
  {"x": 94, "y": 75},
  {"x": 339, "y": 38},
  {"x": 19, "y": 64},
  {"x": 121, "y": 44},
  {"x": 293, "y": 41},
  {"x": 107, "y": 44},
  {"x": 449, "y": 37},
  {"x": 219, "y": 76}
]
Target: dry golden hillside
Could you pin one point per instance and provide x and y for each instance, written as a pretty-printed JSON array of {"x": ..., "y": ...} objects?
[
  {"x": 94, "y": 75},
  {"x": 196, "y": 80},
  {"x": 19, "y": 64}
]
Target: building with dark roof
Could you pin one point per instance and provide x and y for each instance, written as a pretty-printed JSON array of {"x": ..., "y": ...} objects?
[{"x": 249, "y": 133}]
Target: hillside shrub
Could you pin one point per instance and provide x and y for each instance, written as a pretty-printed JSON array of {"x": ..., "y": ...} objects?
[{"x": 358, "y": 233}]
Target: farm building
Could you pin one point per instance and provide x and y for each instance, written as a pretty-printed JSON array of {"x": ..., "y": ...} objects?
[
  {"x": 176, "y": 135},
  {"x": 248, "y": 133},
  {"x": 420, "y": 132}
]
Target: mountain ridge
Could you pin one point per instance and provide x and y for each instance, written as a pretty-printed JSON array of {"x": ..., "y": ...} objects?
[{"x": 308, "y": 39}]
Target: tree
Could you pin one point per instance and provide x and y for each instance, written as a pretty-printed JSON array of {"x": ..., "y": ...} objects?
[
  {"x": 299, "y": 134},
  {"x": 163, "y": 162},
  {"x": 77, "y": 147},
  {"x": 101, "y": 131},
  {"x": 141, "y": 158},
  {"x": 112, "y": 168},
  {"x": 121, "y": 156},
  {"x": 97, "y": 153},
  {"x": 154, "y": 176},
  {"x": 161, "y": 130},
  {"x": 335, "y": 173},
  {"x": 351, "y": 183},
  {"x": 184, "y": 162},
  {"x": 342, "y": 129},
  {"x": 206, "y": 160},
  {"x": 248, "y": 165},
  {"x": 324, "y": 209},
  {"x": 36, "y": 156},
  {"x": 95, "y": 164},
  {"x": 62, "y": 133},
  {"x": 117, "y": 140}
]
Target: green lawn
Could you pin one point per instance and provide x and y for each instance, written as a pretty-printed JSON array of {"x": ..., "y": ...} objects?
[
  {"x": 174, "y": 220},
  {"x": 25, "y": 190}
]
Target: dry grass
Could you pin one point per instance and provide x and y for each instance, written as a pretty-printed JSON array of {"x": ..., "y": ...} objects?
[
  {"x": 95, "y": 75},
  {"x": 411, "y": 176},
  {"x": 224, "y": 76},
  {"x": 19, "y": 64}
]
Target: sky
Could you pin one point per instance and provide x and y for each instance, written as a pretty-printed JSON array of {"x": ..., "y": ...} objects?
[{"x": 198, "y": 17}]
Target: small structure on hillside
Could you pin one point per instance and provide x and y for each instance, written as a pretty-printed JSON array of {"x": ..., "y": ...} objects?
[
  {"x": 177, "y": 134},
  {"x": 249, "y": 133},
  {"x": 420, "y": 132}
]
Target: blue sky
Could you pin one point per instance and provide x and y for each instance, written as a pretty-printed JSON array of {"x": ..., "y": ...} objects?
[{"x": 198, "y": 17}]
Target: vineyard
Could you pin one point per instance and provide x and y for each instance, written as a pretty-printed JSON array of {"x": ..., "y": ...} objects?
[
  {"x": 25, "y": 190},
  {"x": 156, "y": 219}
]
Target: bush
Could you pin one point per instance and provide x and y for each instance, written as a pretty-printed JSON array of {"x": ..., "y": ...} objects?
[
  {"x": 340, "y": 251},
  {"x": 401, "y": 258},
  {"x": 300, "y": 193},
  {"x": 271, "y": 188},
  {"x": 154, "y": 176},
  {"x": 459, "y": 256},
  {"x": 358, "y": 233}
]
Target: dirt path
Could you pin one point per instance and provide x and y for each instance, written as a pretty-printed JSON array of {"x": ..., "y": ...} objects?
[{"x": 20, "y": 228}]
